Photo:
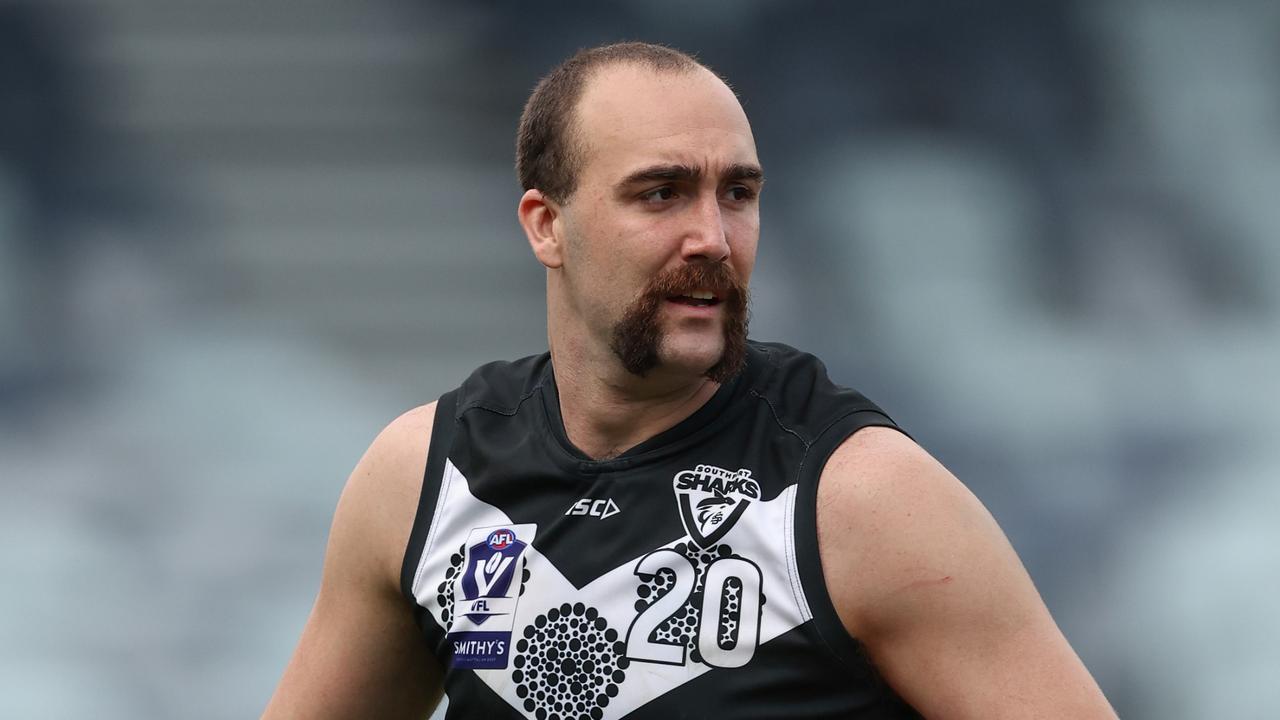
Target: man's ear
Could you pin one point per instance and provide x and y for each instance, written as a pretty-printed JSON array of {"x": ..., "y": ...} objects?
[{"x": 538, "y": 216}]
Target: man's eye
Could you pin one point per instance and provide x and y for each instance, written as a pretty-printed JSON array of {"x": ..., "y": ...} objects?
[
  {"x": 659, "y": 194},
  {"x": 740, "y": 193}
]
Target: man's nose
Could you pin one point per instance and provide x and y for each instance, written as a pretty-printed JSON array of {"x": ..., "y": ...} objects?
[{"x": 705, "y": 237}]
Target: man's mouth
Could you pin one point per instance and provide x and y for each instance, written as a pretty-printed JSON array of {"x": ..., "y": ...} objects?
[{"x": 696, "y": 298}]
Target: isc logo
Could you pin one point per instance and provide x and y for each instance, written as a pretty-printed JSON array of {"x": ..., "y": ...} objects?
[{"x": 595, "y": 508}]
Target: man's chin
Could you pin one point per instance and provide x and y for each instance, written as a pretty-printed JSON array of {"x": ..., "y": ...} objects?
[
  {"x": 648, "y": 340},
  {"x": 717, "y": 353},
  {"x": 690, "y": 359}
]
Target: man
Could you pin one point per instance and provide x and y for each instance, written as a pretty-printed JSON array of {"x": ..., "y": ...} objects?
[{"x": 660, "y": 519}]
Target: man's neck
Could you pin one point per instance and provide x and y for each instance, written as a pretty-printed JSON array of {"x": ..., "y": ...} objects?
[{"x": 607, "y": 411}]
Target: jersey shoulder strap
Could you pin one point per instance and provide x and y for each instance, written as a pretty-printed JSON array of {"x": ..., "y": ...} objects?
[
  {"x": 442, "y": 433},
  {"x": 807, "y": 405}
]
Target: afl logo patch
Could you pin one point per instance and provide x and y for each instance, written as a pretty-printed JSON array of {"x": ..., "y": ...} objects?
[
  {"x": 500, "y": 539},
  {"x": 486, "y": 593}
]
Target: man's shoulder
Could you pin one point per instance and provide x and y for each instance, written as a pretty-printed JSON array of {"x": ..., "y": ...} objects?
[
  {"x": 885, "y": 511},
  {"x": 394, "y": 461},
  {"x": 880, "y": 455},
  {"x": 411, "y": 428},
  {"x": 802, "y": 395},
  {"x": 920, "y": 572},
  {"x": 879, "y": 473},
  {"x": 376, "y": 510}
]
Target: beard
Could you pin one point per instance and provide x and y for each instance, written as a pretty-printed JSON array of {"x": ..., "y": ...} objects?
[{"x": 638, "y": 335}]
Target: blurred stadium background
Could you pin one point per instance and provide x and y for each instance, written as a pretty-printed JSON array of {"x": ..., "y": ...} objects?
[{"x": 236, "y": 238}]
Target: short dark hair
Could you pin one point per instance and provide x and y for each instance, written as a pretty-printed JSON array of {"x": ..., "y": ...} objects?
[{"x": 547, "y": 158}]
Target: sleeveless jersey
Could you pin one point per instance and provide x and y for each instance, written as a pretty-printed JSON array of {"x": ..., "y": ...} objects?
[{"x": 678, "y": 580}]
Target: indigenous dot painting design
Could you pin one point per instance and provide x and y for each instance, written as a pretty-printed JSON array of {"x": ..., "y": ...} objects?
[
  {"x": 569, "y": 664},
  {"x": 444, "y": 591},
  {"x": 682, "y": 627},
  {"x": 727, "y": 625}
]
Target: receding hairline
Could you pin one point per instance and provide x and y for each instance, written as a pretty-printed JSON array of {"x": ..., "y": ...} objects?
[
  {"x": 549, "y": 137},
  {"x": 693, "y": 67},
  {"x": 573, "y": 136}
]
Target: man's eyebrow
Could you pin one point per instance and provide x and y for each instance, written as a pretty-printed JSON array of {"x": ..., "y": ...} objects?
[
  {"x": 663, "y": 172},
  {"x": 690, "y": 173},
  {"x": 742, "y": 171}
]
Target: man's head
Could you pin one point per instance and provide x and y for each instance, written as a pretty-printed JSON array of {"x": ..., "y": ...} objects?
[
  {"x": 547, "y": 155},
  {"x": 641, "y": 184}
]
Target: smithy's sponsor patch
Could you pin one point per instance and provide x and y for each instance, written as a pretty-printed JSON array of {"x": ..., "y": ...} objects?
[{"x": 486, "y": 593}]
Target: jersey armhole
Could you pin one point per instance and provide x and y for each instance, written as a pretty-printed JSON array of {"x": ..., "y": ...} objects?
[
  {"x": 808, "y": 562},
  {"x": 442, "y": 432}
]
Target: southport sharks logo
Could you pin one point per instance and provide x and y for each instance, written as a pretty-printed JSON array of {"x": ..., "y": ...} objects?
[{"x": 711, "y": 500}]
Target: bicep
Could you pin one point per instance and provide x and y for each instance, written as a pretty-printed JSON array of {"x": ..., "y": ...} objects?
[
  {"x": 360, "y": 654},
  {"x": 930, "y": 585}
]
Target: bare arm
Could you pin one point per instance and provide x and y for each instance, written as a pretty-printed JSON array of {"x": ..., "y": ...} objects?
[
  {"x": 361, "y": 654},
  {"x": 921, "y": 574}
]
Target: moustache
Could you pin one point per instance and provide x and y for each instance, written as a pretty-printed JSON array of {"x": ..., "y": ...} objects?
[
  {"x": 637, "y": 336},
  {"x": 718, "y": 278}
]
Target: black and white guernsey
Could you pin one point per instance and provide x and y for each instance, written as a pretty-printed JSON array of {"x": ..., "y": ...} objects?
[{"x": 678, "y": 580}]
